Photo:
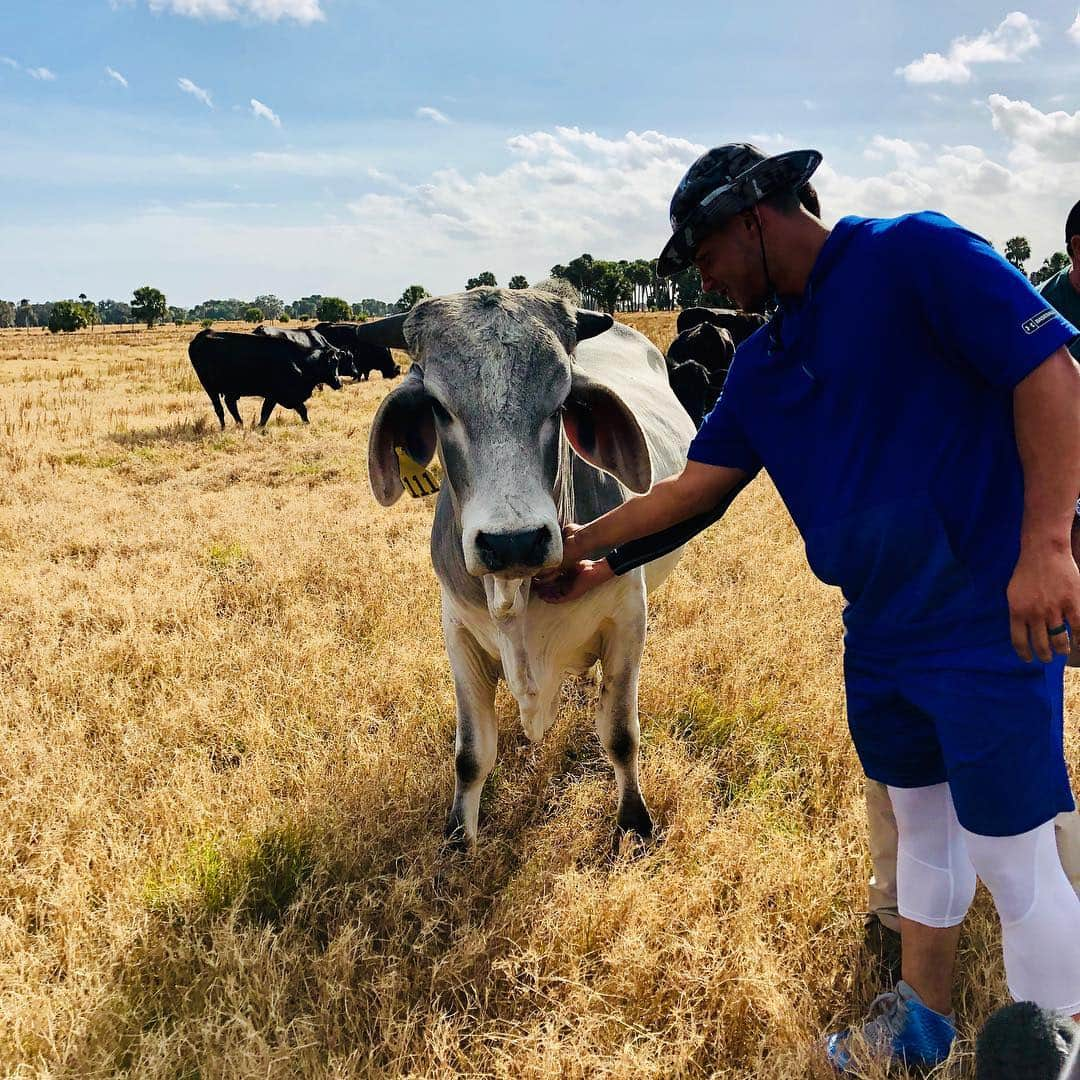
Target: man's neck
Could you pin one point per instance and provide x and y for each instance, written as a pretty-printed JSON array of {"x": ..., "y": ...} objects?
[{"x": 802, "y": 245}]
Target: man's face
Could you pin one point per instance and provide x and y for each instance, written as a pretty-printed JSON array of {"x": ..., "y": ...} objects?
[{"x": 729, "y": 261}]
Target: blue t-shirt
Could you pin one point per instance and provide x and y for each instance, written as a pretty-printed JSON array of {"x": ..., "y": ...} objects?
[{"x": 880, "y": 403}]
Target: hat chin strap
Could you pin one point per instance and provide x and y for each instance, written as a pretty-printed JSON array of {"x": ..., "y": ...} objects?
[{"x": 772, "y": 300}]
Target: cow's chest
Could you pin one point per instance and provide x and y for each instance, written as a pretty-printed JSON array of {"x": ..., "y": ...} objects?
[{"x": 534, "y": 652}]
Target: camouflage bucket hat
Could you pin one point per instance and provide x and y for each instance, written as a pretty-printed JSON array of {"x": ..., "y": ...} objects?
[{"x": 722, "y": 182}]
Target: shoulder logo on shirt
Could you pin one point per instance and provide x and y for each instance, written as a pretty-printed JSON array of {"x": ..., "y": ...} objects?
[{"x": 1029, "y": 326}]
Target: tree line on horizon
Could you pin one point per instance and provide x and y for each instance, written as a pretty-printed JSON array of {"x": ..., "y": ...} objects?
[{"x": 607, "y": 285}]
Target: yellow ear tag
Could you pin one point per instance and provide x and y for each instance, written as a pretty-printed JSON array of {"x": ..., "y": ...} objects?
[{"x": 415, "y": 479}]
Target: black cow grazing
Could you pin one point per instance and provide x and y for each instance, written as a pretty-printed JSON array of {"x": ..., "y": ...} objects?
[
  {"x": 364, "y": 358},
  {"x": 694, "y": 389},
  {"x": 278, "y": 369},
  {"x": 739, "y": 324},
  {"x": 709, "y": 346}
]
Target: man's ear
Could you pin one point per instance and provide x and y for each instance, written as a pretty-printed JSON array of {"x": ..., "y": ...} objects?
[
  {"x": 603, "y": 431},
  {"x": 404, "y": 419}
]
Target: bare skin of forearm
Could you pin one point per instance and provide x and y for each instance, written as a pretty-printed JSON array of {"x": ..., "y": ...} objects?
[
  {"x": 1046, "y": 412},
  {"x": 1044, "y": 590},
  {"x": 696, "y": 489}
]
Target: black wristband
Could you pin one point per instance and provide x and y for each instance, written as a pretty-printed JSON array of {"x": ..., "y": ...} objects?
[{"x": 635, "y": 553}]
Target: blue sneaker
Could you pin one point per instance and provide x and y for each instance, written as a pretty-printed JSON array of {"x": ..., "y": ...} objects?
[{"x": 906, "y": 1031}]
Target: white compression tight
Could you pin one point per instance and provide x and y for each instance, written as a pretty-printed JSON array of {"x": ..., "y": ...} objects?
[
  {"x": 935, "y": 881},
  {"x": 937, "y": 860}
]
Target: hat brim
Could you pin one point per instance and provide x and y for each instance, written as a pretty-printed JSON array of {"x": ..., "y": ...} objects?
[{"x": 795, "y": 167}]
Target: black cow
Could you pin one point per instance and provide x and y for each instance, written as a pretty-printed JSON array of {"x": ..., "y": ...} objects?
[
  {"x": 364, "y": 358},
  {"x": 692, "y": 386},
  {"x": 277, "y": 369},
  {"x": 709, "y": 346},
  {"x": 739, "y": 324}
]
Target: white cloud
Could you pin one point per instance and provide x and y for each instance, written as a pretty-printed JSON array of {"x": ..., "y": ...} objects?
[
  {"x": 301, "y": 11},
  {"x": 774, "y": 141},
  {"x": 426, "y": 112},
  {"x": 1014, "y": 36},
  {"x": 1074, "y": 30},
  {"x": 259, "y": 109},
  {"x": 903, "y": 152},
  {"x": 1053, "y": 137},
  {"x": 564, "y": 191},
  {"x": 195, "y": 91},
  {"x": 42, "y": 74},
  {"x": 114, "y": 74}
]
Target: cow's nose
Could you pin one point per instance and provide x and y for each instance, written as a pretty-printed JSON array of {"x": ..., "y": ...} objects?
[{"x": 501, "y": 550}]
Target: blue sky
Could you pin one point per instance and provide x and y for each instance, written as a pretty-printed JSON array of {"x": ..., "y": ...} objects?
[{"x": 352, "y": 147}]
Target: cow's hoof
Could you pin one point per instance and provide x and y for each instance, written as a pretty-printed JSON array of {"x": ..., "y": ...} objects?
[
  {"x": 634, "y": 818},
  {"x": 633, "y": 830},
  {"x": 456, "y": 840},
  {"x": 628, "y": 844}
]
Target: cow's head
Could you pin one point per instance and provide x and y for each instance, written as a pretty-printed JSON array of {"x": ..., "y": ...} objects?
[
  {"x": 321, "y": 365},
  {"x": 387, "y": 368},
  {"x": 493, "y": 388}
]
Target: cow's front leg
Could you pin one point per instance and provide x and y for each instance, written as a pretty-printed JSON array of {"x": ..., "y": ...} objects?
[
  {"x": 267, "y": 408},
  {"x": 231, "y": 405},
  {"x": 617, "y": 710},
  {"x": 477, "y": 737}
]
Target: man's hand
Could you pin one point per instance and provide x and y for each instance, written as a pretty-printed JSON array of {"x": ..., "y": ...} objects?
[
  {"x": 571, "y": 549},
  {"x": 573, "y": 581},
  {"x": 1044, "y": 594}
]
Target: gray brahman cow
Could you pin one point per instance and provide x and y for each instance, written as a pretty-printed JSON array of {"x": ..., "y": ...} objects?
[{"x": 503, "y": 385}]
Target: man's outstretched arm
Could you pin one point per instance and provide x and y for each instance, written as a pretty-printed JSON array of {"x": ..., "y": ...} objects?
[{"x": 696, "y": 491}]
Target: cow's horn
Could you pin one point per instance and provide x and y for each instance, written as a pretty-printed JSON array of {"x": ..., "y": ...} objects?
[
  {"x": 591, "y": 323},
  {"x": 389, "y": 332}
]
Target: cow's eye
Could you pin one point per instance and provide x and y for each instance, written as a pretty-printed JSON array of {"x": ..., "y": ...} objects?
[{"x": 440, "y": 413}]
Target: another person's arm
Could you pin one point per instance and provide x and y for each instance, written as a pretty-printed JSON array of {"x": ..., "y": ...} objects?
[{"x": 1045, "y": 588}]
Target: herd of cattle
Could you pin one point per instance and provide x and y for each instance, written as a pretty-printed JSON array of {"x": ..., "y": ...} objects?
[{"x": 283, "y": 367}]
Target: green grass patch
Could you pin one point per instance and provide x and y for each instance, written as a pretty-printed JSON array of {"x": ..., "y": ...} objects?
[
  {"x": 223, "y": 444},
  {"x": 259, "y": 877},
  {"x": 756, "y": 753},
  {"x": 228, "y": 556},
  {"x": 92, "y": 461},
  {"x": 306, "y": 468},
  {"x": 708, "y": 725}
]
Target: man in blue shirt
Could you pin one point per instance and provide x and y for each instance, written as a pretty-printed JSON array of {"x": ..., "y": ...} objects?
[{"x": 915, "y": 406}]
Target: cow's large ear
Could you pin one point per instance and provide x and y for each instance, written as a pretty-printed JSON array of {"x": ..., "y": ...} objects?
[
  {"x": 404, "y": 419},
  {"x": 591, "y": 323},
  {"x": 603, "y": 431}
]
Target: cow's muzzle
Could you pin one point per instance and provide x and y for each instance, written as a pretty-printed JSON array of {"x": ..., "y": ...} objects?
[{"x": 524, "y": 551}]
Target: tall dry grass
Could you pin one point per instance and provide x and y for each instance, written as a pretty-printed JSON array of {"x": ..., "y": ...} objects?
[{"x": 226, "y": 733}]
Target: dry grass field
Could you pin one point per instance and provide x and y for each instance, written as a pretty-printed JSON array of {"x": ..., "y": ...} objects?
[{"x": 225, "y": 754}]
